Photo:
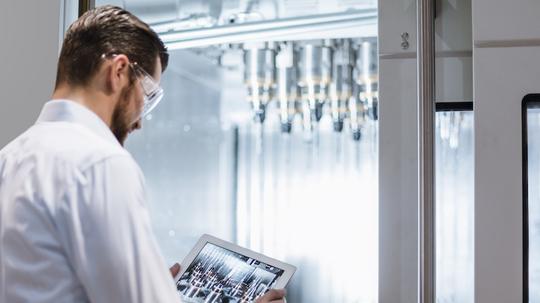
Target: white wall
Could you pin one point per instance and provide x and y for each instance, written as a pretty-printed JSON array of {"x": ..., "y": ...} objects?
[
  {"x": 29, "y": 50},
  {"x": 398, "y": 212},
  {"x": 398, "y": 203},
  {"x": 398, "y": 237},
  {"x": 503, "y": 76},
  {"x": 505, "y": 70}
]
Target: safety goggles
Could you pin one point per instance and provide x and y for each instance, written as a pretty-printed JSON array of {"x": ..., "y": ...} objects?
[{"x": 153, "y": 93}]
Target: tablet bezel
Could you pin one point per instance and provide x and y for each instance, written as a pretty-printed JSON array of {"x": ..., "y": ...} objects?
[{"x": 281, "y": 282}]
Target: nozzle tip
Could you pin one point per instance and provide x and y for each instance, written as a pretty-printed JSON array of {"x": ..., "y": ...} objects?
[
  {"x": 357, "y": 135},
  {"x": 286, "y": 127},
  {"x": 338, "y": 126}
]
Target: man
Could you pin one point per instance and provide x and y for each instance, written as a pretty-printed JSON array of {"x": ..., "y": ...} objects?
[{"x": 73, "y": 222}]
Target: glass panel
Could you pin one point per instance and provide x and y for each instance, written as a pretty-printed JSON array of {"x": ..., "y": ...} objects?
[
  {"x": 211, "y": 169},
  {"x": 455, "y": 207},
  {"x": 187, "y": 157},
  {"x": 533, "y": 163},
  {"x": 314, "y": 206}
]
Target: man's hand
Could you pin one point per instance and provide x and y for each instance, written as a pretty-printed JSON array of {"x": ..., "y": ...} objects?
[
  {"x": 175, "y": 269},
  {"x": 273, "y": 296}
]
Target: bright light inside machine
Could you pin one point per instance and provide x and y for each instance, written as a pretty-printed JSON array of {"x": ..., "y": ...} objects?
[{"x": 315, "y": 207}]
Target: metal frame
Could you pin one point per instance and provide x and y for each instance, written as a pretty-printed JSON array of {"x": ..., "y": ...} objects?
[
  {"x": 529, "y": 99},
  {"x": 454, "y": 106},
  {"x": 426, "y": 155},
  {"x": 277, "y": 29},
  {"x": 86, "y": 5}
]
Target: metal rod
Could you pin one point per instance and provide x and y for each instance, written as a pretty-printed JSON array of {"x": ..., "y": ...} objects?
[
  {"x": 86, "y": 5},
  {"x": 426, "y": 159},
  {"x": 235, "y": 175},
  {"x": 263, "y": 30}
]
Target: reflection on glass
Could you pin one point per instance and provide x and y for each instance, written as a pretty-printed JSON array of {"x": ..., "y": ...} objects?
[
  {"x": 187, "y": 158},
  {"x": 454, "y": 207},
  {"x": 315, "y": 205},
  {"x": 533, "y": 159}
]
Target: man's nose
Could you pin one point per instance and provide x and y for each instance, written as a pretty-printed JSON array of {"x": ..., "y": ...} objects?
[{"x": 136, "y": 125}]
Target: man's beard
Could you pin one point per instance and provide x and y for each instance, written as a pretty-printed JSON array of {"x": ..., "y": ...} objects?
[{"x": 121, "y": 123}]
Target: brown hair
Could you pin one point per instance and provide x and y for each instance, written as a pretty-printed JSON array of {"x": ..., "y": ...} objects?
[{"x": 107, "y": 30}]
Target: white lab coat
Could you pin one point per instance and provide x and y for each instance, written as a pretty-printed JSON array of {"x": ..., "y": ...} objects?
[{"x": 73, "y": 221}]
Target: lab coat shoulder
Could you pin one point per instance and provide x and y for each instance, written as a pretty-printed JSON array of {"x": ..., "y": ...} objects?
[
  {"x": 69, "y": 143},
  {"x": 75, "y": 143},
  {"x": 51, "y": 157}
]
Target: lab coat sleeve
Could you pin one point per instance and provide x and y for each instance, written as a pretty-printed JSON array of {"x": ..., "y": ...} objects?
[{"x": 109, "y": 239}]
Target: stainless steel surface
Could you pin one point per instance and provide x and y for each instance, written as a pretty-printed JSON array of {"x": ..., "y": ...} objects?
[
  {"x": 260, "y": 78},
  {"x": 336, "y": 77},
  {"x": 316, "y": 69},
  {"x": 342, "y": 82},
  {"x": 426, "y": 135},
  {"x": 161, "y": 11},
  {"x": 267, "y": 30},
  {"x": 367, "y": 63},
  {"x": 366, "y": 92},
  {"x": 357, "y": 116},
  {"x": 288, "y": 92}
]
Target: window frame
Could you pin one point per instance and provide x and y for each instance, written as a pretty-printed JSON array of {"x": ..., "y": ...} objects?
[{"x": 529, "y": 101}]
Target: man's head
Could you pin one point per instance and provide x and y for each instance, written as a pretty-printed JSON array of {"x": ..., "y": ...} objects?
[{"x": 106, "y": 54}]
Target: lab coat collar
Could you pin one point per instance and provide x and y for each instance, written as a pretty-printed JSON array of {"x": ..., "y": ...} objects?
[{"x": 63, "y": 110}]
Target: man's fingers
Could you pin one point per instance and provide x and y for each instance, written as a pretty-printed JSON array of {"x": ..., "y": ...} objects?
[
  {"x": 275, "y": 294},
  {"x": 175, "y": 269}
]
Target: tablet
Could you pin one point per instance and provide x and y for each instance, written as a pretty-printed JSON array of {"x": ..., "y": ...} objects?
[{"x": 220, "y": 271}]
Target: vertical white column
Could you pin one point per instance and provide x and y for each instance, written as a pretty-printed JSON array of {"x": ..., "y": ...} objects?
[
  {"x": 29, "y": 52},
  {"x": 398, "y": 150}
]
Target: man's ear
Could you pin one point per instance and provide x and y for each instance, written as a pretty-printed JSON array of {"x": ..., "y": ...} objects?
[{"x": 118, "y": 73}]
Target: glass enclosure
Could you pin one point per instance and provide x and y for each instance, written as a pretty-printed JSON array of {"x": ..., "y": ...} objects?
[
  {"x": 273, "y": 144},
  {"x": 315, "y": 205},
  {"x": 454, "y": 207},
  {"x": 188, "y": 157},
  {"x": 532, "y": 141},
  {"x": 454, "y": 153},
  {"x": 311, "y": 202}
]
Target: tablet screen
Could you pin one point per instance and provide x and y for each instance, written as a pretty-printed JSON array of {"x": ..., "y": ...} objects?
[{"x": 220, "y": 275}]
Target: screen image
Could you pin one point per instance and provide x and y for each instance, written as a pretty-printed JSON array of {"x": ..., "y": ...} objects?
[{"x": 218, "y": 275}]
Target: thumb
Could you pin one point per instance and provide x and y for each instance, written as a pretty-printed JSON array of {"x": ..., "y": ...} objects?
[
  {"x": 175, "y": 269},
  {"x": 275, "y": 294}
]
